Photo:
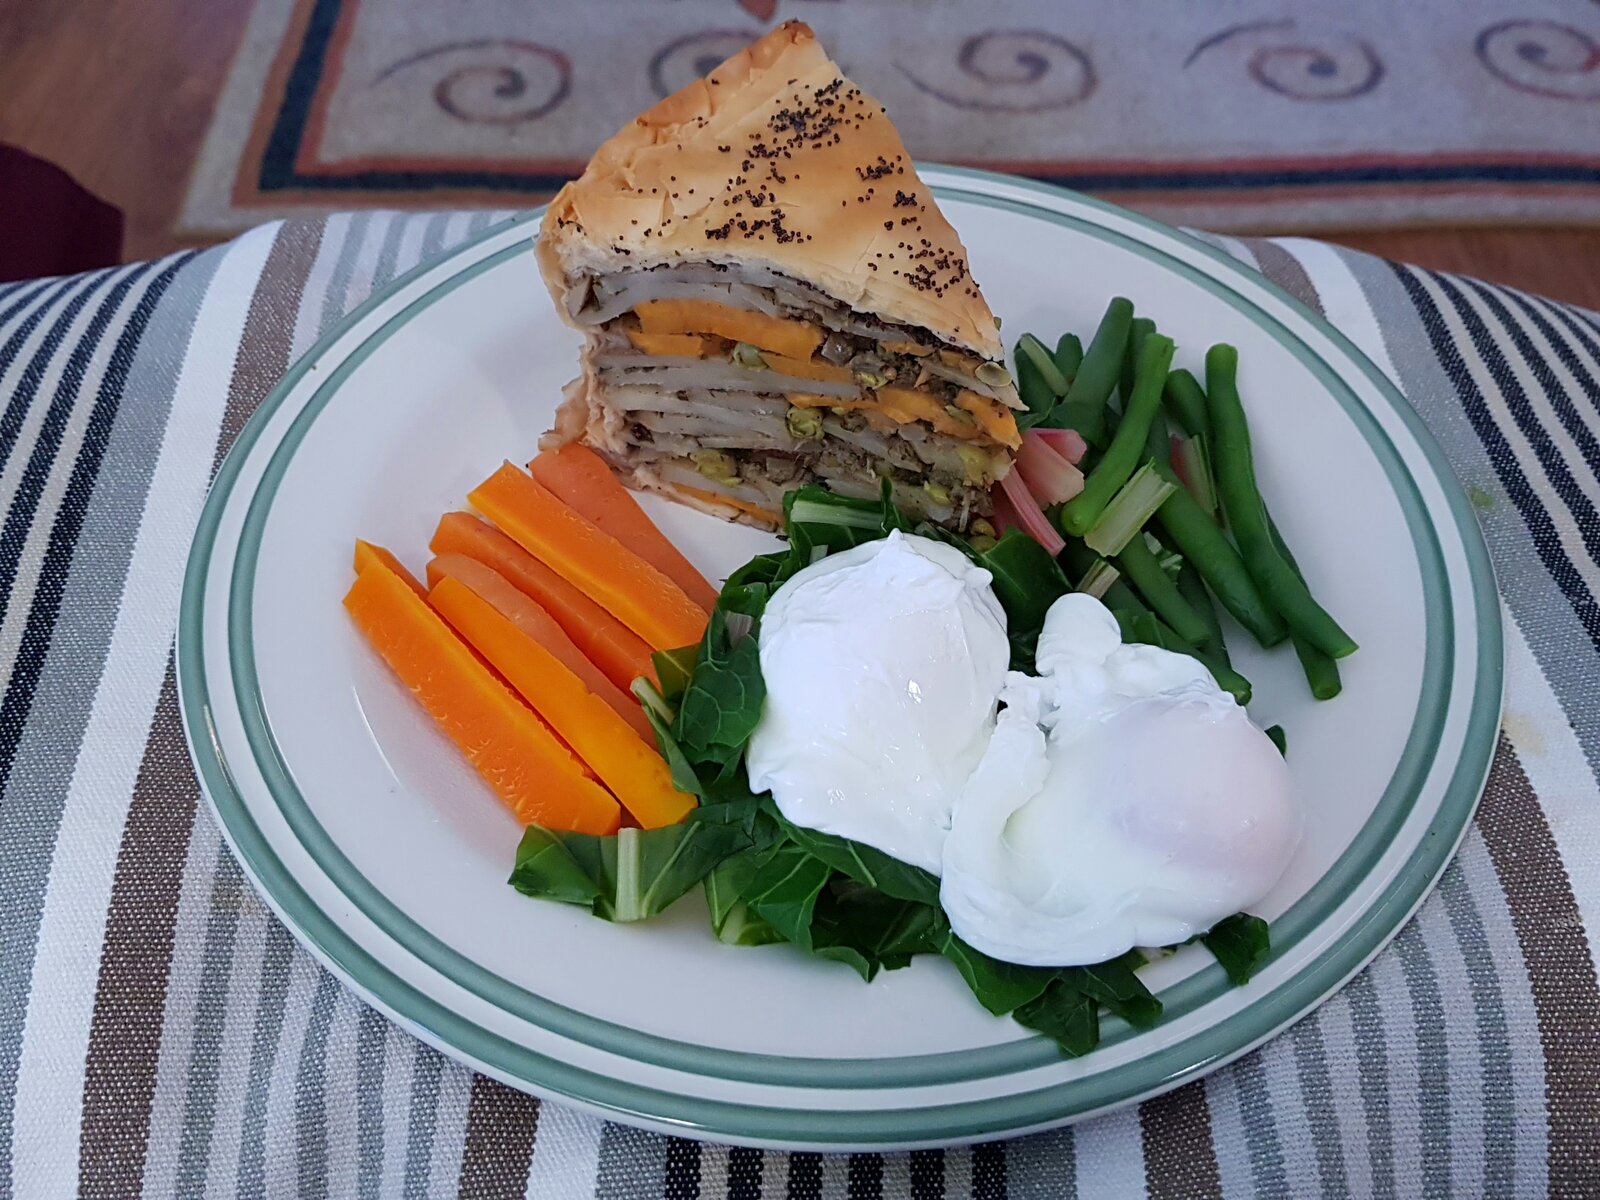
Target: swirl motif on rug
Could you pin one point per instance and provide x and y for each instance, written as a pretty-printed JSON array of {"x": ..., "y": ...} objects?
[
  {"x": 683, "y": 60},
  {"x": 1012, "y": 71},
  {"x": 1544, "y": 58},
  {"x": 1315, "y": 64},
  {"x": 493, "y": 81}
]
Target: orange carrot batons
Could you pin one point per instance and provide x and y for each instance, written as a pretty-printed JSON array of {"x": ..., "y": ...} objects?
[
  {"x": 534, "y": 621},
  {"x": 601, "y": 567},
  {"x": 367, "y": 554},
  {"x": 581, "y": 478},
  {"x": 627, "y": 765},
  {"x": 604, "y": 640},
  {"x": 539, "y": 780}
]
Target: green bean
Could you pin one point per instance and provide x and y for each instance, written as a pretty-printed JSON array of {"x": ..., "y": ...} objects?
[
  {"x": 1193, "y": 589},
  {"x": 1068, "y": 356},
  {"x": 1127, "y": 606},
  {"x": 1197, "y": 538},
  {"x": 1113, "y": 414},
  {"x": 1247, "y": 515},
  {"x": 1186, "y": 401},
  {"x": 1228, "y": 679},
  {"x": 1141, "y": 328},
  {"x": 1321, "y": 671},
  {"x": 1034, "y": 390},
  {"x": 1138, "y": 564},
  {"x": 1139, "y": 624},
  {"x": 1126, "y": 451},
  {"x": 1158, "y": 442},
  {"x": 1120, "y": 596},
  {"x": 1083, "y": 408},
  {"x": 1279, "y": 738}
]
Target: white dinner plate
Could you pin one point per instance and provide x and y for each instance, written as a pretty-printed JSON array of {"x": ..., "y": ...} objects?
[{"x": 388, "y": 858}]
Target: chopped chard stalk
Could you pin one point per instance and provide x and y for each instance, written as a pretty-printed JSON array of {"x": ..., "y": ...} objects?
[
  {"x": 1169, "y": 561},
  {"x": 1097, "y": 580},
  {"x": 1027, "y": 514},
  {"x": 1128, "y": 511},
  {"x": 812, "y": 512},
  {"x": 1040, "y": 357},
  {"x": 1191, "y": 460},
  {"x": 645, "y": 692},
  {"x": 1049, "y": 476},
  {"x": 1068, "y": 443}
]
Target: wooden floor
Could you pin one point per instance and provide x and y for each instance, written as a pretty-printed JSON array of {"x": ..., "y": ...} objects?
[{"x": 119, "y": 92}]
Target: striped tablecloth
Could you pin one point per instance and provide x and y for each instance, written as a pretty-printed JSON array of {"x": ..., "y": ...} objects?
[{"x": 161, "y": 1033}]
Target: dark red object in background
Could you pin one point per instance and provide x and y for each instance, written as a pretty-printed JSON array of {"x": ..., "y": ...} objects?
[{"x": 48, "y": 224}]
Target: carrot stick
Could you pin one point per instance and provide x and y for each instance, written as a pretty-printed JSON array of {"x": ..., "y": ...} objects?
[
  {"x": 536, "y": 623},
  {"x": 581, "y": 478},
  {"x": 604, "y": 640},
  {"x": 593, "y": 561},
  {"x": 367, "y": 554},
  {"x": 625, "y": 763},
  {"x": 539, "y": 780}
]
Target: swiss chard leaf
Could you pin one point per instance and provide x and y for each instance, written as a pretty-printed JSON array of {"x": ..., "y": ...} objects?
[
  {"x": 546, "y": 869},
  {"x": 1027, "y": 581},
  {"x": 729, "y": 880},
  {"x": 783, "y": 891},
  {"x": 819, "y": 523},
  {"x": 726, "y": 782},
  {"x": 722, "y": 704},
  {"x": 726, "y": 883},
  {"x": 734, "y": 921},
  {"x": 1115, "y": 985},
  {"x": 1067, "y": 1016},
  {"x": 742, "y": 927},
  {"x": 651, "y": 868},
  {"x": 1241, "y": 943},
  {"x": 632, "y": 874},
  {"x": 684, "y": 777},
  {"x": 938, "y": 533},
  {"x": 886, "y": 932},
  {"x": 674, "y": 668},
  {"x": 1001, "y": 987},
  {"x": 746, "y": 813},
  {"x": 765, "y": 569},
  {"x": 864, "y": 864}
]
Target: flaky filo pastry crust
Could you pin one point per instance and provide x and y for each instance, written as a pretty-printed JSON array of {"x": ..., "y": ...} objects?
[{"x": 773, "y": 160}]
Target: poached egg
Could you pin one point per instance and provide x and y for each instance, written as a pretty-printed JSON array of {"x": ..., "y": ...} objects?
[
  {"x": 1119, "y": 799},
  {"x": 1124, "y": 800},
  {"x": 882, "y": 664}
]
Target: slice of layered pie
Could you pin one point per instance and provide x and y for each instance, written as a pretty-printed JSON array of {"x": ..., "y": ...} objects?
[{"x": 771, "y": 297}]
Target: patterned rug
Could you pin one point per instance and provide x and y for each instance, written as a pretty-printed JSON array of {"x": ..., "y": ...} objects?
[{"x": 1235, "y": 114}]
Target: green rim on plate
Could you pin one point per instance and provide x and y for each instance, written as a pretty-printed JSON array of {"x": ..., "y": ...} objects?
[{"x": 1156, "y": 1071}]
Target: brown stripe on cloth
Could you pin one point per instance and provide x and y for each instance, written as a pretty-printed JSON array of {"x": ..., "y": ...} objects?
[
  {"x": 130, "y": 997},
  {"x": 1566, "y": 995},
  {"x": 1180, "y": 1157},
  {"x": 269, "y": 327},
  {"x": 501, "y": 1125},
  {"x": 1284, "y": 269},
  {"x": 136, "y": 956}
]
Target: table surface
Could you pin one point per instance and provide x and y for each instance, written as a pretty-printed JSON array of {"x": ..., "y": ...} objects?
[{"x": 161, "y": 1032}]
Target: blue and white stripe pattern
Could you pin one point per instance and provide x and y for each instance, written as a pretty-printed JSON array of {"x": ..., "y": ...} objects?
[{"x": 162, "y": 1034}]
